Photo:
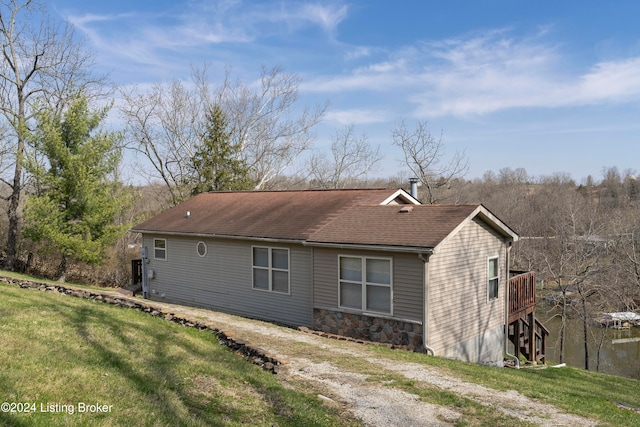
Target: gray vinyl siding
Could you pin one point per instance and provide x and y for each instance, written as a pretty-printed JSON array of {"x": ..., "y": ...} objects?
[
  {"x": 458, "y": 305},
  {"x": 407, "y": 281},
  {"x": 223, "y": 279}
]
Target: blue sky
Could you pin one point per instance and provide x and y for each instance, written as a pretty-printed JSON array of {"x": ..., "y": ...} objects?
[{"x": 547, "y": 86}]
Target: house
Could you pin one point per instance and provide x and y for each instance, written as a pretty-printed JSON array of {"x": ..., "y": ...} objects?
[{"x": 372, "y": 264}]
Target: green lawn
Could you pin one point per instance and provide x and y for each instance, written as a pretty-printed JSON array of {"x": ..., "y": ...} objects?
[
  {"x": 61, "y": 355},
  {"x": 59, "y": 350},
  {"x": 589, "y": 394}
]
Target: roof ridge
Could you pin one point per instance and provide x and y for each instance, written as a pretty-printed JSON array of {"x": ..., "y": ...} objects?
[{"x": 300, "y": 190}]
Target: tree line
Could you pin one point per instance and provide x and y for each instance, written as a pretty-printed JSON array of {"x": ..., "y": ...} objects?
[
  {"x": 66, "y": 205},
  {"x": 582, "y": 239}
]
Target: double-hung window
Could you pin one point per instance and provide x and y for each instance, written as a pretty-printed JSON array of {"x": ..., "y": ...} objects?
[
  {"x": 160, "y": 249},
  {"x": 271, "y": 269},
  {"x": 493, "y": 278},
  {"x": 365, "y": 284}
]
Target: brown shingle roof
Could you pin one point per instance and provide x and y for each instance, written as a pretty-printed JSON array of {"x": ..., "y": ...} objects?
[
  {"x": 319, "y": 217},
  {"x": 422, "y": 226},
  {"x": 293, "y": 215}
]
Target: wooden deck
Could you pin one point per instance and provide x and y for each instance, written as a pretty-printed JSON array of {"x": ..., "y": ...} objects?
[
  {"x": 527, "y": 334},
  {"x": 522, "y": 295}
]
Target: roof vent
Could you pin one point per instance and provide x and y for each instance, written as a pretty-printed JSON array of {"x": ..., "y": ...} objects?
[
  {"x": 188, "y": 215},
  {"x": 406, "y": 209}
]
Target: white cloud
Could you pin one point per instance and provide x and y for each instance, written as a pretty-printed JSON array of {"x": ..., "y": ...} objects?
[
  {"x": 376, "y": 77},
  {"x": 610, "y": 81},
  {"x": 147, "y": 38},
  {"x": 357, "y": 116},
  {"x": 327, "y": 17},
  {"x": 358, "y": 52},
  {"x": 486, "y": 73},
  {"x": 238, "y": 21}
]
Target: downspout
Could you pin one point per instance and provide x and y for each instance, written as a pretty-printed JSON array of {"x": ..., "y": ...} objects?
[
  {"x": 424, "y": 257},
  {"x": 506, "y": 311},
  {"x": 145, "y": 278}
]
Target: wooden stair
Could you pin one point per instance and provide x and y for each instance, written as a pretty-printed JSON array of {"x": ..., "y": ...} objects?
[{"x": 528, "y": 336}]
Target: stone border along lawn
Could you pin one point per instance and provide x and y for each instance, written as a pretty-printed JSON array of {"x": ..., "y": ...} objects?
[{"x": 254, "y": 355}]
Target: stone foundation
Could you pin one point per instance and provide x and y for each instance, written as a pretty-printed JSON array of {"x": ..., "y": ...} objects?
[{"x": 367, "y": 328}]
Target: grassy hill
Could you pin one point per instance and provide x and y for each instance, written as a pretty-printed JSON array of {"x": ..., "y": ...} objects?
[
  {"x": 69, "y": 361},
  {"x": 122, "y": 365}
]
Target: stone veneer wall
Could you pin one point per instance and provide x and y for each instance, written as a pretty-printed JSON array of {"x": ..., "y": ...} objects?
[{"x": 388, "y": 331}]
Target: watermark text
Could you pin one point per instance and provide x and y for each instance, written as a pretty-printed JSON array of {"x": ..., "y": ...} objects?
[{"x": 55, "y": 408}]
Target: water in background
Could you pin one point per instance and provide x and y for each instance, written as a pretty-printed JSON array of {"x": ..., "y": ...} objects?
[{"x": 621, "y": 359}]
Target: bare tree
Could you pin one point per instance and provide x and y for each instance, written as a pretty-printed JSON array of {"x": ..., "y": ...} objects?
[
  {"x": 352, "y": 158},
  {"x": 571, "y": 253},
  {"x": 625, "y": 265},
  {"x": 42, "y": 64},
  {"x": 264, "y": 123},
  {"x": 424, "y": 156},
  {"x": 166, "y": 124}
]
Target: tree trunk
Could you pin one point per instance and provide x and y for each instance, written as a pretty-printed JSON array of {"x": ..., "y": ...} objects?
[
  {"x": 604, "y": 333},
  {"x": 12, "y": 212},
  {"x": 585, "y": 330},
  {"x": 563, "y": 324},
  {"x": 62, "y": 269}
]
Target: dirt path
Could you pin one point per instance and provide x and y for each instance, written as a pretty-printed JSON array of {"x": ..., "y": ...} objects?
[{"x": 374, "y": 402}]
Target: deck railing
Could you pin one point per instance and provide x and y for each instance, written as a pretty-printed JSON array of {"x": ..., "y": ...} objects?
[{"x": 522, "y": 295}]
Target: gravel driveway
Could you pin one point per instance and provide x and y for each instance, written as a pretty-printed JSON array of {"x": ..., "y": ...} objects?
[{"x": 375, "y": 403}]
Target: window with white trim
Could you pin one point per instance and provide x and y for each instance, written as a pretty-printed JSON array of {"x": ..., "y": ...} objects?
[
  {"x": 271, "y": 269},
  {"x": 160, "y": 249},
  {"x": 493, "y": 278},
  {"x": 365, "y": 284}
]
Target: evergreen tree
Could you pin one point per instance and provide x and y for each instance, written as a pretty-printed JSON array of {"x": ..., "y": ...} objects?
[
  {"x": 217, "y": 163},
  {"x": 78, "y": 200}
]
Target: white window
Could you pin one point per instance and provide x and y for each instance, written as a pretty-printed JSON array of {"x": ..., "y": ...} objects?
[
  {"x": 160, "y": 249},
  {"x": 271, "y": 269},
  {"x": 365, "y": 284},
  {"x": 493, "y": 278}
]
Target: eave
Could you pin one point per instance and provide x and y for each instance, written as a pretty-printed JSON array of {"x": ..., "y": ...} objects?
[
  {"x": 217, "y": 236},
  {"x": 379, "y": 248}
]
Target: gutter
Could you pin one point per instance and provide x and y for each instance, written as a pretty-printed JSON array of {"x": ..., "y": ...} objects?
[
  {"x": 424, "y": 257},
  {"x": 384, "y": 248},
  {"x": 217, "y": 236},
  {"x": 342, "y": 246}
]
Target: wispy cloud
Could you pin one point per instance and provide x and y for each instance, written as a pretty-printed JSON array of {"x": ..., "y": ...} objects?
[
  {"x": 357, "y": 116},
  {"x": 488, "y": 72},
  {"x": 610, "y": 81},
  {"x": 358, "y": 52},
  {"x": 200, "y": 24},
  {"x": 328, "y": 17},
  {"x": 245, "y": 21}
]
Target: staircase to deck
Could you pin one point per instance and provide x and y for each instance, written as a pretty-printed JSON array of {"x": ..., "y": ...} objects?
[
  {"x": 529, "y": 340},
  {"x": 527, "y": 334}
]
